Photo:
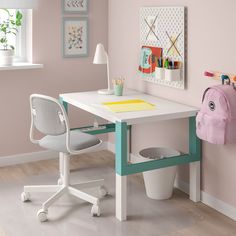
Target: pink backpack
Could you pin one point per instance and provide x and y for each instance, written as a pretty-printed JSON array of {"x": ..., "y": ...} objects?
[{"x": 216, "y": 121}]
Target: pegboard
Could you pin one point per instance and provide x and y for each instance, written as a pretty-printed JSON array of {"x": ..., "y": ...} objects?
[{"x": 167, "y": 24}]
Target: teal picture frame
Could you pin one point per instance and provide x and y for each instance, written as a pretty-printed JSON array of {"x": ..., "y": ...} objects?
[
  {"x": 75, "y": 6},
  {"x": 75, "y": 37}
]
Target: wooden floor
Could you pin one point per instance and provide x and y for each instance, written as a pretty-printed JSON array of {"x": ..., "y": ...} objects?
[{"x": 208, "y": 221}]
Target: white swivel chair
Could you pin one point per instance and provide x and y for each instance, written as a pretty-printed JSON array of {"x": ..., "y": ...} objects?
[{"x": 49, "y": 117}]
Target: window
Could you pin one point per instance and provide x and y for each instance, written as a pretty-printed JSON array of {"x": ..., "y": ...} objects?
[
  {"x": 22, "y": 41},
  {"x": 18, "y": 41}
]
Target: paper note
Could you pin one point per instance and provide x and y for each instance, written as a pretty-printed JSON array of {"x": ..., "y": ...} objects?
[{"x": 129, "y": 106}]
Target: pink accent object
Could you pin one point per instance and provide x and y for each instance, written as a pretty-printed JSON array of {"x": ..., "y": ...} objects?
[
  {"x": 208, "y": 74},
  {"x": 216, "y": 121}
]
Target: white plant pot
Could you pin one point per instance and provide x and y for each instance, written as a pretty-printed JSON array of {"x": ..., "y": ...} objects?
[{"x": 6, "y": 57}]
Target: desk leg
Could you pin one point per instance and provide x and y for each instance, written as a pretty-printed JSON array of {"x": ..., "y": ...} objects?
[
  {"x": 121, "y": 197},
  {"x": 194, "y": 167},
  {"x": 121, "y": 179},
  {"x": 195, "y": 176}
]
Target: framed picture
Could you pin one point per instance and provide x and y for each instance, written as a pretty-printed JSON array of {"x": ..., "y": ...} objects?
[
  {"x": 75, "y": 37},
  {"x": 75, "y": 6}
]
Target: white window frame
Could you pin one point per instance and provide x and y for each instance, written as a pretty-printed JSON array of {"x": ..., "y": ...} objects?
[
  {"x": 21, "y": 38},
  {"x": 24, "y": 45}
]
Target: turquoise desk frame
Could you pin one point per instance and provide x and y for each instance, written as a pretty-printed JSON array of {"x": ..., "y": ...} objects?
[{"x": 124, "y": 168}]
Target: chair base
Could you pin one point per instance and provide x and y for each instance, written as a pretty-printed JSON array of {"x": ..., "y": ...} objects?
[
  {"x": 64, "y": 187},
  {"x": 60, "y": 190}
]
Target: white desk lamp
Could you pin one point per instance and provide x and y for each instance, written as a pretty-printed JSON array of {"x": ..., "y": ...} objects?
[{"x": 101, "y": 57}]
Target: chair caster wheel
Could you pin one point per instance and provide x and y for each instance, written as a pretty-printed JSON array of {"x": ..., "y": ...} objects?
[
  {"x": 42, "y": 215},
  {"x": 25, "y": 197},
  {"x": 59, "y": 181},
  {"x": 95, "y": 211},
  {"x": 103, "y": 191}
]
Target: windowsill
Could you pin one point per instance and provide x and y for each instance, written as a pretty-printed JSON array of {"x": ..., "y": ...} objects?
[{"x": 22, "y": 66}]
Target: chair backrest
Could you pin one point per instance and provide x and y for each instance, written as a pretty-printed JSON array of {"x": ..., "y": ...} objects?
[{"x": 48, "y": 115}]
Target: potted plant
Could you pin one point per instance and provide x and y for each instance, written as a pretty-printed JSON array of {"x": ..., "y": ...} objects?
[{"x": 8, "y": 26}]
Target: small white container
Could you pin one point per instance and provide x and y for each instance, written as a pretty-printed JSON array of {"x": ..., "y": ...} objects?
[
  {"x": 159, "y": 183},
  {"x": 159, "y": 73},
  {"x": 6, "y": 57},
  {"x": 172, "y": 74}
]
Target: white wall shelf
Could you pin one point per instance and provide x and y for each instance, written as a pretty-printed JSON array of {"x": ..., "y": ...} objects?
[{"x": 22, "y": 66}]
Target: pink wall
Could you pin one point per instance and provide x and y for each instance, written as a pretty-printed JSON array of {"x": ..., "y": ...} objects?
[
  {"x": 211, "y": 45},
  {"x": 58, "y": 75}
]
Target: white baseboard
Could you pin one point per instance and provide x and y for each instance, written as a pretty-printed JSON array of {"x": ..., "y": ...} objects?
[
  {"x": 219, "y": 205},
  {"x": 35, "y": 156},
  {"x": 27, "y": 157},
  {"x": 210, "y": 201},
  {"x": 111, "y": 147},
  {"x": 183, "y": 186}
]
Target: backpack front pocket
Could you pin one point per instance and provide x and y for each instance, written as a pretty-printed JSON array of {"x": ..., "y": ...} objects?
[{"x": 211, "y": 128}]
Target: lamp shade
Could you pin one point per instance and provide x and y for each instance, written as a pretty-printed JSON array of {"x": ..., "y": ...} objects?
[{"x": 100, "y": 56}]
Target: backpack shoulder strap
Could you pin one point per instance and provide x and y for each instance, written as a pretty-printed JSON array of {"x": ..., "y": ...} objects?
[{"x": 204, "y": 94}]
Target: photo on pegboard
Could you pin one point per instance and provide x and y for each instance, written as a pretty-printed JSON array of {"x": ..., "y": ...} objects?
[{"x": 149, "y": 59}]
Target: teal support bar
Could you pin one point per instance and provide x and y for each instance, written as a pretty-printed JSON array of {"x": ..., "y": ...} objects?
[
  {"x": 157, "y": 164},
  {"x": 123, "y": 168},
  {"x": 121, "y": 147},
  {"x": 109, "y": 128}
]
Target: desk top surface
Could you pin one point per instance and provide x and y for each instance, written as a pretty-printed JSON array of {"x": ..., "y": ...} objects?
[{"x": 165, "y": 109}]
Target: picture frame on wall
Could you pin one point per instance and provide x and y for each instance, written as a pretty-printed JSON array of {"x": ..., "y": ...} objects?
[
  {"x": 75, "y": 37},
  {"x": 75, "y": 6}
]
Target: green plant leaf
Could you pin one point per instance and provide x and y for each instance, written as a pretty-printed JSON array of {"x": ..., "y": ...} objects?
[
  {"x": 4, "y": 29},
  {"x": 12, "y": 47},
  {"x": 9, "y": 26},
  {"x": 18, "y": 23},
  {"x": 2, "y": 40},
  {"x": 19, "y": 15}
]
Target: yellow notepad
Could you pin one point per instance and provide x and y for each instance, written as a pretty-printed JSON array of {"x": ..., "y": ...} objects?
[{"x": 129, "y": 105}]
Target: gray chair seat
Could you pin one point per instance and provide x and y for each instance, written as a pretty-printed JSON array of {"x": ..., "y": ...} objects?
[{"x": 78, "y": 141}]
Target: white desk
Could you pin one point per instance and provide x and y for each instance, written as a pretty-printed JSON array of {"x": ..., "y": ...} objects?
[{"x": 165, "y": 110}]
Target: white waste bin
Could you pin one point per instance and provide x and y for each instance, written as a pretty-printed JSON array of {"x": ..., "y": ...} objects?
[{"x": 159, "y": 183}]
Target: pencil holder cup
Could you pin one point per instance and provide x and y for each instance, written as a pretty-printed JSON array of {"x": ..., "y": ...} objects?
[
  {"x": 172, "y": 75},
  {"x": 118, "y": 89},
  {"x": 159, "y": 73}
]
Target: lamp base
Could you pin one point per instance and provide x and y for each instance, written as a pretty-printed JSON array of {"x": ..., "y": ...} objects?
[{"x": 106, "y": 91}]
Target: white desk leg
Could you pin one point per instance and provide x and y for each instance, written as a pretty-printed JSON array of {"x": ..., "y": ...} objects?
[
  {"x": 121, "y": 197},
  {"x": 195, "y": 177}
]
